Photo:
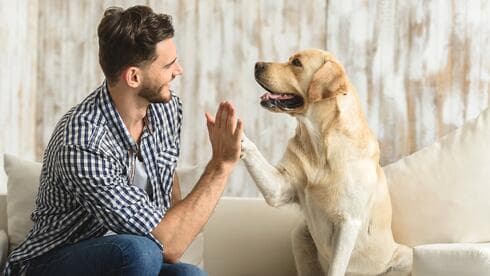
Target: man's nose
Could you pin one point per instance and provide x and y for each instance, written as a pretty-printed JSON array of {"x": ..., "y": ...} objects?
[{"x": 179, "y": 70}]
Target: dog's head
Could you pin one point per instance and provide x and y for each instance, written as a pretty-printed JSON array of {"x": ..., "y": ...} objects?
[{"x": 308, "y": 77}]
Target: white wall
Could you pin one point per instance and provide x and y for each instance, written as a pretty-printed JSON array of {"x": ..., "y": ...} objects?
[{"x": 419, "y": 66}]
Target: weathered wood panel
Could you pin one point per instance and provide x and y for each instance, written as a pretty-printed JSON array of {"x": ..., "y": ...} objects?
[
  {"x": 419, "y": 66},
  {"x": 219, "y": 43},
  {"x": 68, "y": 68},
  {"x": 18, "y": 40}
]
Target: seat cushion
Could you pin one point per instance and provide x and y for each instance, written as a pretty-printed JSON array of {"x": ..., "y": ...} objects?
[
  {"x": 451, "y": 259},
  {"x": 245, "y": 236},
  {"x": 441, "y": 193}
]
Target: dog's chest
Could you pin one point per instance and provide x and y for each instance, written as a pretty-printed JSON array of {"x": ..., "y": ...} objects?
[{"x": 328, "y": 197}]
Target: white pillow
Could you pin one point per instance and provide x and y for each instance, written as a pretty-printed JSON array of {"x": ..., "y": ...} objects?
[
  {"x": 22, "y": 186},
  {"x": 441, "y": 194}
]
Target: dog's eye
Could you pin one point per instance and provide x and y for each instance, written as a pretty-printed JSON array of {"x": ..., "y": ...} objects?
[{"x": 296, "y": 62}]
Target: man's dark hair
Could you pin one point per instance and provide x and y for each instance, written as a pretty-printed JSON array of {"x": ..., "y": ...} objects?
[{"x": 128, "y": 38}]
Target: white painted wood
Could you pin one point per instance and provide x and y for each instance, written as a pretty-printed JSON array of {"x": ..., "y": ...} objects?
[
  {"x": 18, "y": 41},
  {"x": 219, "y": 43},
  {"x": 421, "y": 66}
]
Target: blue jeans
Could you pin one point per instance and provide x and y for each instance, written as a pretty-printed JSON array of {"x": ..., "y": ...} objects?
[{"x": 110, "y": 255}]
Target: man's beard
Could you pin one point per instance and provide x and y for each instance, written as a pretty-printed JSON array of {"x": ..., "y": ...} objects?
[{"x": 153, "y": 95}]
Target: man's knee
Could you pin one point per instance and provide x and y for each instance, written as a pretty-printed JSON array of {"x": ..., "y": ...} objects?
[{"x": 140, "y": 255}]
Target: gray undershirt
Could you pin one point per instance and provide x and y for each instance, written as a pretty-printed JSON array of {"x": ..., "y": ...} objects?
[{"x": 140, "y": 180}]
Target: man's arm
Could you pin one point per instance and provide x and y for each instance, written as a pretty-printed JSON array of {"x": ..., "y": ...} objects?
[
  {"x": 176, "y": 192},
  {"x": 184, "y": 221}
]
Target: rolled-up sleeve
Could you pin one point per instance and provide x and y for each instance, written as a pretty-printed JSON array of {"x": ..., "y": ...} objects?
[{"x": 100, "y": 185}]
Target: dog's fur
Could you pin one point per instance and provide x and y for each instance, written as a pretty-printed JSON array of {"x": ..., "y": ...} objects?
[{"x": 330, "y": 168}]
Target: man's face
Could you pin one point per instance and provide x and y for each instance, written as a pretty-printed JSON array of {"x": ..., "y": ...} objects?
[{"x": 158, "y": 74}]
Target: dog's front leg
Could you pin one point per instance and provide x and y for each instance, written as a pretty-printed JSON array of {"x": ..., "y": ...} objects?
[
  {"x": 273, "y": 185},
  {"x": 344, "y": 238}
]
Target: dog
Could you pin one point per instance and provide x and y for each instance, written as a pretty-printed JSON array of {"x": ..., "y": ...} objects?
[{"x": 330, "y": 168}]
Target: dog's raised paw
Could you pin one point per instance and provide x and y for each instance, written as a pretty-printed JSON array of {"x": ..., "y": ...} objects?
[{"x": 246, "y": 147}]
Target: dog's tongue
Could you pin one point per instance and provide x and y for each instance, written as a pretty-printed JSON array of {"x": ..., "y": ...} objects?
[{"x": 275, "y": 96}]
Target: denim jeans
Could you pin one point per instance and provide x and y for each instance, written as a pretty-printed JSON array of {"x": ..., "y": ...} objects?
[{"x": 110, "y": 255}]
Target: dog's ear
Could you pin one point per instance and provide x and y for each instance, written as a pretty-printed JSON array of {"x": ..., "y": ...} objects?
[{"x": 328, "y": 81}]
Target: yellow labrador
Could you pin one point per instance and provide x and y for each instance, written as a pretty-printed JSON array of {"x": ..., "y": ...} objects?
[{"x": 330, "y": 168}]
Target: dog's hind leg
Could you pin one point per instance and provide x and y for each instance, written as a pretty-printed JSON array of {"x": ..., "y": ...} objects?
[{"x": 305, "y": 252}]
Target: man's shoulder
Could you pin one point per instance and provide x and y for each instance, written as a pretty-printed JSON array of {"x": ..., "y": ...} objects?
[{"x": 83, "y": 123}]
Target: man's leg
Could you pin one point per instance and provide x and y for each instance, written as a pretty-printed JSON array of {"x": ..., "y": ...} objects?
[
  {"x": 181, "y": 269},
  {"x": 109, "y": 255}
]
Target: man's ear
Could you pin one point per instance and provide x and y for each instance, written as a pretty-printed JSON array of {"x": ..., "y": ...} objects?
[
  {"x": 132, "y": 76},
  {"x": 328, "y": 81}
]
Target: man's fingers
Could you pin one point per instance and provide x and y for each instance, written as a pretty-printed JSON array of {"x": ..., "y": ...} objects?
[
  {"x": 224, "y": 115},
  {"x": 218, "y": 115},
  {"x": 231, "y": 121},
  {"x": 209, "y": 123},
  {"x": 209, "y": 118},
  {"x": 239, "y": 129}
]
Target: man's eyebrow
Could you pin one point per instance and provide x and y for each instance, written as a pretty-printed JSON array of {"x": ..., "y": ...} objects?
[{"x": 173, "y": 61}]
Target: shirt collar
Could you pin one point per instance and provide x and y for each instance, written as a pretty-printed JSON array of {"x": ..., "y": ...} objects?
[{"x": 112, "y": 115}]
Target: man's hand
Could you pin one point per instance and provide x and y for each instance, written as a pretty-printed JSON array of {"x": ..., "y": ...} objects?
[{"x": 225, "y": 133}]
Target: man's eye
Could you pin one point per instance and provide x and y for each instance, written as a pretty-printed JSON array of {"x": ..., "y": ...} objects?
[{"x": 296, "y": 62}]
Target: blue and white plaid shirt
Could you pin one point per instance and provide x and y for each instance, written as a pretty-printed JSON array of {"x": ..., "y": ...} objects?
[{"x": 86, "y": 179}]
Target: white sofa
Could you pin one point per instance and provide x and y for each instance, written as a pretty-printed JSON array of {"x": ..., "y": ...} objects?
[{"x": 441, "y": 207}]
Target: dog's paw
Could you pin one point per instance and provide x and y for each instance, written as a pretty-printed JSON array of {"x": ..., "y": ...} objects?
[{"x": 247, "y": 146}]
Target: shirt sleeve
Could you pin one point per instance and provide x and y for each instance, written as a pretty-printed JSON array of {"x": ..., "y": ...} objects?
[{"x": 100, "y": 186}]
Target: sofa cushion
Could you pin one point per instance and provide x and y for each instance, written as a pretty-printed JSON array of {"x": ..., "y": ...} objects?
[
  {"x": 245, "y": 236},
  {"x": 22, "y": 185},
  {"x": 441, "y": 193},
  {"x": 451, "y": 259}
]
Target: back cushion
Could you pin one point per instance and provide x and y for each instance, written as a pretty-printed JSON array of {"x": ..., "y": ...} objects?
[
  {"x": 442, "y": 192},
  {"x": 22, "y": 185}
]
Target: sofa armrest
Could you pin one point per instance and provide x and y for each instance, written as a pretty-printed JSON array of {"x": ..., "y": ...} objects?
[
  {"x": 451, "y": 259},
  {"x": 4, "y": 248}
]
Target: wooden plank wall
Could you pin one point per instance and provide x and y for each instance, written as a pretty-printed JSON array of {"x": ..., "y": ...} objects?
[
  {"x": 18, "y": 80},
  {"x": 419, "y": 66}
]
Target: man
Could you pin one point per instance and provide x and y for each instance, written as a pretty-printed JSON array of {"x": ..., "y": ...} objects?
[{"x": 107, "y": 182}]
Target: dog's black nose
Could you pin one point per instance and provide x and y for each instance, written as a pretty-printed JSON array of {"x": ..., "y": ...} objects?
[{"x": 259, "y": 68}]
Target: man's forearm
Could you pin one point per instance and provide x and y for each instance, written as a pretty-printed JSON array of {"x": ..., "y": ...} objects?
[
  {"x": 176, "y": 193},
  {"x": 184, "y": 221}
]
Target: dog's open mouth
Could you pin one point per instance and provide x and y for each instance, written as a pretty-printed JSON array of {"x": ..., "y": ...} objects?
[{"x": 283, "y": 101}]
